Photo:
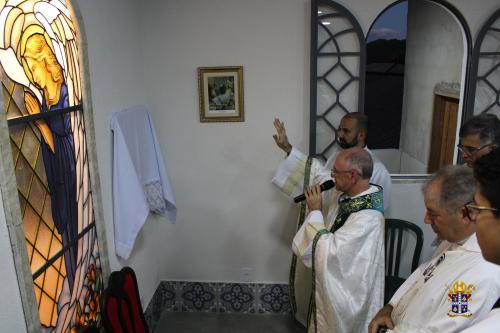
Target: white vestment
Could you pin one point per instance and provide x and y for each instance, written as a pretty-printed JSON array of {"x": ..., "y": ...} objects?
[
  {"x": 349, "y": 267},
  {"x": 380, "y": 175},
  {"x": 289, "y": 178},
  {"x": 140, "y": 181},
  {"x": 490, "y": 324},
  {"x": 427, "y": 301}
]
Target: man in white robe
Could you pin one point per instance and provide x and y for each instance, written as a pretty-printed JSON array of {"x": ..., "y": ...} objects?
[
  {"x": 344, "y": 247},
  {"x": 484, "y": 211},
  {"x": 352, "y": 132},
  {"x": 457, "y": 287},
  {"x": 299, "y": 172}
]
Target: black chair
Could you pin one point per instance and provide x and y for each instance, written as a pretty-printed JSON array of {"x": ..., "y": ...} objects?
[{"x": 394, "y": 231}]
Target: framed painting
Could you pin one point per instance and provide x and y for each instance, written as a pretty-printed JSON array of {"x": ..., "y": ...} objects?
[{"x": 220, "y": 91}]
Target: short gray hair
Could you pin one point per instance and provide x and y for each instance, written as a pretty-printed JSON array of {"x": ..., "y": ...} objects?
[
  {"x": 361, "y": 160},
  {"x": 457, "y": 186},
  {"x": 485, "y": 125}
]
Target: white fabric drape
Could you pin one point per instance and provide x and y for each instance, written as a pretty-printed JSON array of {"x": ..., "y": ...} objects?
[{"x": 140, "y": 181}]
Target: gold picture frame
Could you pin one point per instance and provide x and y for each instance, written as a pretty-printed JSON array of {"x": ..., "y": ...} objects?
[{"x": 220, "y": 90}]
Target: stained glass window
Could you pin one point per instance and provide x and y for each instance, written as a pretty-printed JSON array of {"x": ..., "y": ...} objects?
[{"x": 42, "y": 98}]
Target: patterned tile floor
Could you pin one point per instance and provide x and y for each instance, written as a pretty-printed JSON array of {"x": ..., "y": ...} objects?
[{"x": 206, "y": 322}]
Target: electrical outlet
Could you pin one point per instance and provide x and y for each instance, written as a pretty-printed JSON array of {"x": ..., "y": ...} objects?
[{"x": 246, "y": 274}]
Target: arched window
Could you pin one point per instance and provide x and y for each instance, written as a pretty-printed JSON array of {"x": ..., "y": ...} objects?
[
  {"x": 436, "y": 63},
  {"x": 40, "y": 71},
  {"x": 485, "y": 86},
  {"x": 337, "y": 72},
  {"x": 385, "y": 68}
]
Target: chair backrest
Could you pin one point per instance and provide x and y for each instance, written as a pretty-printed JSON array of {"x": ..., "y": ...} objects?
[
  {"x": 394, "y": 231},
  {"x": 131, "y": 291},
  {"x": 116, "y": 318},
  {"x": 122, "y": 309}
]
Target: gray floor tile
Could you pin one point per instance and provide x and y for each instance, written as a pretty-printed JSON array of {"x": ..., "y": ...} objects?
[{"x": 201, "y": 322}]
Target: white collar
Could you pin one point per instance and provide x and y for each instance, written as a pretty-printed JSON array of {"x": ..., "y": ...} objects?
[
  {"x": 469, "y": 244},
  {"x": 370, "y": 190}
]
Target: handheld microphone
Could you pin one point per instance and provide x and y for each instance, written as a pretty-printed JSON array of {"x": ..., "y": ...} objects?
[{"x": 323, "y": 187}]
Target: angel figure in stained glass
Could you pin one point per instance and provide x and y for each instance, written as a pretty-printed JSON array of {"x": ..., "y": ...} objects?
[
  {"x": 39, "y": 52},
  {"x": 43, "y": 70}
]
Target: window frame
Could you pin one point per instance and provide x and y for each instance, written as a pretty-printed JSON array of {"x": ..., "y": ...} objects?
[
  {"x": 9, "y": 190},
  {"x": 468, "y": 97}
]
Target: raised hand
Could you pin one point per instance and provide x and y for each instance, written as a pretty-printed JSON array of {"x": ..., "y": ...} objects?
[{"x": 280, "y": 138}]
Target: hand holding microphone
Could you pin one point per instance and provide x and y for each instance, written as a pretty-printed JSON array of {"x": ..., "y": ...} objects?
[{"x": 323, "y": 187}]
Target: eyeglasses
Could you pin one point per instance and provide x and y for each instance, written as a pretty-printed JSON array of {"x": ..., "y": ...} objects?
[
  {"x": 472, "y": 210},
  {"x": 471, "y": 150},
  {"x": 336, "y": 172}
]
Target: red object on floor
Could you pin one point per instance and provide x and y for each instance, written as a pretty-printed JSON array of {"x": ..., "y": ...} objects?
[{"x": 122, "y": 309}]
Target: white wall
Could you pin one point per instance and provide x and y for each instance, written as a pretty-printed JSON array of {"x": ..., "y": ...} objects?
[
  {"x": 390, "y": 157},
  {"x": 434, "y": 53},
  {"x": 117, "y": 81},
  {"x": 229, "y": 214}
]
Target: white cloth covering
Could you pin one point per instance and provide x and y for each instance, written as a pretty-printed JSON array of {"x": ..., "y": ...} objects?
[
  {"x": 140, "y": 181},
  {"x": 490, "y": 324},
  {"x": 349, "y": 267},
  {"x": 423, "y": 303}
]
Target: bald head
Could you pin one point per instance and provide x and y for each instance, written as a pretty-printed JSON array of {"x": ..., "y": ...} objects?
[
  {"x": 358, "y": 159},
  {"x": 352, "y": 171}
]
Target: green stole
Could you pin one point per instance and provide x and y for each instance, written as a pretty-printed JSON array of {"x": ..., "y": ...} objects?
[
  {"x": 347, "y": 206},
  {"x": 302, "y": 216}
]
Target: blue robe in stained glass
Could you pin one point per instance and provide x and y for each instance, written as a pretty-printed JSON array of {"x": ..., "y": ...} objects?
[{"x": 60, "y": 167}]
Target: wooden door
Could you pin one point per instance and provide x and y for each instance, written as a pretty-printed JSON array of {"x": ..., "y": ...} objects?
[{"x": 444, "y": 128}]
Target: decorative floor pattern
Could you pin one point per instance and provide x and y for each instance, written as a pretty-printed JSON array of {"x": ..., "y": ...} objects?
[{"x": 217, "y": 297}]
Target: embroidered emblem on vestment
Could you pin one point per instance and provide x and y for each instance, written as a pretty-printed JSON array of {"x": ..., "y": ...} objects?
[{"x": 460, "y": 295}]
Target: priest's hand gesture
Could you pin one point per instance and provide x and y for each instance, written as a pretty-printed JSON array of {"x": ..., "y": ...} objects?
[{"x": 280, "y": 138}]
